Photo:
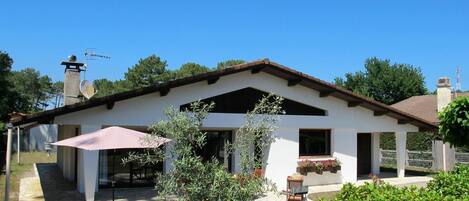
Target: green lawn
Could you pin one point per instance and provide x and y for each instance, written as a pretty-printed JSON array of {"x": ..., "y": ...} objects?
[{"x": 25, "y": 169}]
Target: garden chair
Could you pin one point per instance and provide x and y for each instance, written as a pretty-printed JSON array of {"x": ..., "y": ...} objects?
[{"x": 295, "y": 189}]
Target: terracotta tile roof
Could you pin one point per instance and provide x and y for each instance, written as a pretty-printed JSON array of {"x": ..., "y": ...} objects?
[
  {"x": 424, "y": 106},
  {"x": 292, "y": 76}
]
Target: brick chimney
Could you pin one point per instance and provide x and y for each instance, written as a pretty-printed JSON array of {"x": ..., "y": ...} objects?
[
  {"x": 72, "y": 80},
  {"x": 443, "y": 93}
]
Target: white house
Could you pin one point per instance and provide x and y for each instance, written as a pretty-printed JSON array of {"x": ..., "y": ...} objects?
[{"x": 322, "y": 121}]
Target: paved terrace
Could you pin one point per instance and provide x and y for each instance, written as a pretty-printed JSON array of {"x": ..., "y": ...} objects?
[{"x": 48, "y": 184}]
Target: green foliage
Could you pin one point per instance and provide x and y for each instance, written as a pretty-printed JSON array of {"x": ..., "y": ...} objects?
[
  {"x": 192, "y": 178},
  {"x": 229, "y": 63},
  {"x": 384, "y": 192},
  {"x": 385, "y": 82},
  {"x": 153, "y": 70},
  {"x": 148, "y": 71},
  {"x": 106, "y": 87},
  {"x": 453, "y": 185},
  {"x": 417, "y": 141},
  {"x": 34, "y": 91},
  {"x": 5, "y": 86},
  {"x": 190, "y": 69},
  {"x": 454, "y": 123},
  {"x": 258, "y": 128},
  {"x": 24, "y": 91}
]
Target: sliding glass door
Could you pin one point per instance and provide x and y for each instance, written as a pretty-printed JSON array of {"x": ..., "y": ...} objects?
[
  {"x": 129, "y": 175},
  {"x": 215, "y": 148}
]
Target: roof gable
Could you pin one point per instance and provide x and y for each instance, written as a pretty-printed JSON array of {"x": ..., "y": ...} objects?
[{"x": 293, "y": 78}]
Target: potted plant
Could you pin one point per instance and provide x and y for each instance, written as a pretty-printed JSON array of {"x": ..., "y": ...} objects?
[
  {"x": 319, "y": 167},
  {"x": 335, "y": 166}
]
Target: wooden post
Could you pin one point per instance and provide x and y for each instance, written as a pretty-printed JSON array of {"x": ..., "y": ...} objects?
[
  {"x": 18, "y": 143},
  {"x": 7, "y": 168}
]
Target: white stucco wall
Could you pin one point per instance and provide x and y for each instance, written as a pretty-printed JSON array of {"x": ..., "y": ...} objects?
[
  {"x": 345, "y": 122},
  {"x": 344, "y": 148}
]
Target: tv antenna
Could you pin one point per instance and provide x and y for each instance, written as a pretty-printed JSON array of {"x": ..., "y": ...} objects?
[
  {"x": 458, "y": 79},
  {"x": 90, "y": 54}
]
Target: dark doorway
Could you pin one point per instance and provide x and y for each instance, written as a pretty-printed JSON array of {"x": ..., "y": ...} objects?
[{"x": 363, "y": 153}]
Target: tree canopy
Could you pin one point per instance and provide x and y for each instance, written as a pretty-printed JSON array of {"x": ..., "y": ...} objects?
[
  {"x": 190, "y": 69},
  {"x": 148, "y": 71},
  {"x": 5, "y": 101},
  {"x": 34, "y": 90},
  {"x": 385, "y": 81},
  {"x": 229, "y": 62}
]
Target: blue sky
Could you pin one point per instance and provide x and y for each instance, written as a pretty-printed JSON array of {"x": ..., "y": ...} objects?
[{"x": 325, "y": 39}]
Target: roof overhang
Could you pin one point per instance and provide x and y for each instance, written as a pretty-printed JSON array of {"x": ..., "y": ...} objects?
[{"x": 293, "y": 77}]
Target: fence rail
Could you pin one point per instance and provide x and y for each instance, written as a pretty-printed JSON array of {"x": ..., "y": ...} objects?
[{"x": 422, "y": 159}]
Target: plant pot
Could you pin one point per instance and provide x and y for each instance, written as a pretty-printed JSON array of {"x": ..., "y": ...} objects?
[
  {"x": 259, "y": 172},
  {"x": 326, "y": 178}
]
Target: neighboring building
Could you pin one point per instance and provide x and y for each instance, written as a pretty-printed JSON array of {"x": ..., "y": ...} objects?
[
  {"x": 322, "y": 121},
  {"x": 427, "y": 107}
]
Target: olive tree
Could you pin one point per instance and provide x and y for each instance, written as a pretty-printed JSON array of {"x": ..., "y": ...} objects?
[{"x": 192, "y": 178}]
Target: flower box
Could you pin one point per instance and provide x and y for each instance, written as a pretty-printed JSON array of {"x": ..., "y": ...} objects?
[
  {"x": 321, "y": 172},
  {"x": 314, "y": 179}
]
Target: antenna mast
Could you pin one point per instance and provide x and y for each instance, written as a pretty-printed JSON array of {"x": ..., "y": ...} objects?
[{"x": 458, "y": 79}]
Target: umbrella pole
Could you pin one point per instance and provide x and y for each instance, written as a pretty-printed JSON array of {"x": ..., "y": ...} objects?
[{"x": 113, "y": 172}]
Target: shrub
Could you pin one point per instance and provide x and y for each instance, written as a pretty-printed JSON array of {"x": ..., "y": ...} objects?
[
  {"x": 453, "y": 184},
  {"x": 454, "y": 123},
  {"x": 384, "y": 192}
]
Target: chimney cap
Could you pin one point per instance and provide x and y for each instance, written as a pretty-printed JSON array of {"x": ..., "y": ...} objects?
[{"x": 443, "y": 82}]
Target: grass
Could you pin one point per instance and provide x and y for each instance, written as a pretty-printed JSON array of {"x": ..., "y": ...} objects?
[{"x": 24, "y": 169}]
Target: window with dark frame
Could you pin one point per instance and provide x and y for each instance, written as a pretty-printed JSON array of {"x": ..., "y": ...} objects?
[{"x": 315, "y": 142}]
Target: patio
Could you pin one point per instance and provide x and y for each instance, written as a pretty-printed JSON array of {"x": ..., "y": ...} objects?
[{"x": 54, "y": 187}]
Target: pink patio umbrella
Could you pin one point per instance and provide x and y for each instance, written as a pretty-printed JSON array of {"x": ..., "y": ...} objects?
[{"x": 113, "y": 138}]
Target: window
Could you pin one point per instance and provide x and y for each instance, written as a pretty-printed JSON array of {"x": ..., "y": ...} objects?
[
  {"x": 243, "y": 100},
  {"x": 315, "y": 142}
]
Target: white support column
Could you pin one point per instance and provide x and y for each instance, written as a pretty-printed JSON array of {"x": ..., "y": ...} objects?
[
  {"x": 18, "y": 146},
  {"x": 375, "y": 153},
  {"x": 8, "y": 164},
  {"x": 88, "y": 162},
  {"x": 401, "y": 148},
  {"x": 344, "y": 144}
]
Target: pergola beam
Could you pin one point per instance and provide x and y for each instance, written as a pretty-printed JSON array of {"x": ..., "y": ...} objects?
[
  {"x": 380, "y": 113},
  {"x": 212, "y": 80},
  {"x": 110, "y": 105},
  {"x": 325, "y": 93},
  {"x": 164, "y": 91},
  {"x": 403, "y": 121},
  {"x": 354, "y": 103},
  {"x": 293, "y": 82},
  {"x": 257, "y": 70}
]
